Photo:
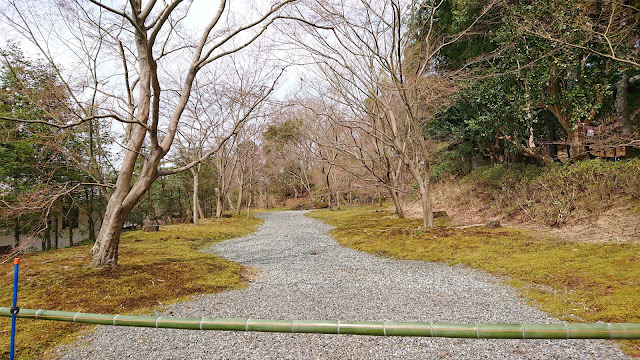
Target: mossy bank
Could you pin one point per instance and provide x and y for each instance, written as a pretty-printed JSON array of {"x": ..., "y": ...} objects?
[
  {"x": 584, "y": 282},
  {"x": 155, "y": 269}
]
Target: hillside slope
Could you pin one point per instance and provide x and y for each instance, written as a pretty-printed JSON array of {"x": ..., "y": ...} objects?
[{"x": 593, "y": 201}]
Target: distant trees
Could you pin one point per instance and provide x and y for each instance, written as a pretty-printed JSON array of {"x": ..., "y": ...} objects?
[
  {"x": 222, "y": 104},
  {"x": 40, "y": 166},
  {"x": 388, "y": 89},
  {"x": 289, "y": 164},
  {"x": 393, "y": 85}
]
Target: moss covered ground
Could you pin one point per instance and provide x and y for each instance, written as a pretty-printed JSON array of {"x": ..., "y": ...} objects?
[
  {"x": 155, "y": 269},
  {"x": 572, "y": 281}
]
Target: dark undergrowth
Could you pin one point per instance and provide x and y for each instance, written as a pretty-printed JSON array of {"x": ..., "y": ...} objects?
[{"x": 155, "y": 269}]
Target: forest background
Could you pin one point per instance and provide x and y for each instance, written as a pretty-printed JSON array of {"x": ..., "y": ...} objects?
[{"x": 524, "y": 112}]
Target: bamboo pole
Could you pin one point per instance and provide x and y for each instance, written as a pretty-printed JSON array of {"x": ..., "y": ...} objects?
[{"x": 618, "y": 331}]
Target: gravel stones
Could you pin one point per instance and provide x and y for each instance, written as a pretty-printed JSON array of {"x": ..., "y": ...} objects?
[{"x": 305, "y": 275}]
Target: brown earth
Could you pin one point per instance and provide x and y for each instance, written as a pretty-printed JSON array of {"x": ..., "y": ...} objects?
[{"x": 619, "y": 224}]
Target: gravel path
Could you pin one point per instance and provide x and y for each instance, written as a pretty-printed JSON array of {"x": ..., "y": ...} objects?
[{"x": 304, "y": 274}]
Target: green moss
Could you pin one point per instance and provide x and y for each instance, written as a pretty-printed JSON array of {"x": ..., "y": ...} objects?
[
  {"x": 571, "y": 281},
  {"x": 156, "y": 268}
]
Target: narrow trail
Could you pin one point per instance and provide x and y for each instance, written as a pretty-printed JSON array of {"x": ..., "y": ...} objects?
[{"x": 304, "y": 274}]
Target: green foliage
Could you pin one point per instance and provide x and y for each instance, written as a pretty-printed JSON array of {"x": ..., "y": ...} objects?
[
  {"x": 452, "y": 18},
  {"x": 168, "y": 196},
  {"x": 450, "y": 163},
  {"x": 155, "y": 269},
  {"x": 524, "y": 75},
  {"x": 31, "y": 160},
  {"x": 288, "y": 131}
]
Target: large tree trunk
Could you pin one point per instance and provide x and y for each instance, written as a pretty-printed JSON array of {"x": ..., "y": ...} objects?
[
  {"x": 622, "y": 104},
  {"x": 577, "y": 142},
  {"x": 106, "y": 251}
]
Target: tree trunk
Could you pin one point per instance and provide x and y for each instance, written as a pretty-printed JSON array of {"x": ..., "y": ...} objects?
[
  {"x": 46, "y": 238},
  {"x": 577, "y": 142},
  {"x": 328, "y": 188},
  {"x": 424, "y": 184},
  {"x": 56, "y": 233},
  {"x": 250, "y": 190},
  {"x": 200, "y": 212},
  {"x": 219, "y": 204},
  {"x": 427, "y": 209},
  {"x": 622, "y": 104},
  {"x": 195, "y": 196},
  {"x": 240, "y": 194},
  {"x": 396, "y": 202},
  {"x": 127, "y": 192},
  {"x": 231, "y": 206},
  {"x": 392, "y": 178},
  {"x": 106, "y": 253},
  {"x": 89, "y": 210},
  {"x": 249, "y": 198}
]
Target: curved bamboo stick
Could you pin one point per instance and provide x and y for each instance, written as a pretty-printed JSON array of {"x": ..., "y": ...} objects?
[{"x": 619, "y": 331}]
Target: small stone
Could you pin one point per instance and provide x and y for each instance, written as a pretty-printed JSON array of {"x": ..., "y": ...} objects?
[
  {"x": 439, "y": 214},
  {"x": 493, "y": 224},
  {"x": 150, "y": 228}
]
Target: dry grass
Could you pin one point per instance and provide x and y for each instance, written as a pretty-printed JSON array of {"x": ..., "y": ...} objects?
[
  {"x": 154, "y": 269},
  {"x": 584, "y": 201},
  {"x": 584, "y": 282}
]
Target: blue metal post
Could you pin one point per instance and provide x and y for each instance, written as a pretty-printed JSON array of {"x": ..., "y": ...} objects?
[{"x": 14, "y": 308}]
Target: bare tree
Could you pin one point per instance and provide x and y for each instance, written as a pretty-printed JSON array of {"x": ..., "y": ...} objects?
[
  {"x": 372, "y": 162},
  {"x": 367, "y": 54},
  {"x": 220, "y": 107},
  {"x": 150, "y": 39}
]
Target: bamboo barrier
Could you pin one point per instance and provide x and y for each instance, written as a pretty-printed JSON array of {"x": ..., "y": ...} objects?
[{"x": 620, "y": 331}]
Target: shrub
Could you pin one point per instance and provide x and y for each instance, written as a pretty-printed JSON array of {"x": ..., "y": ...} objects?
[{"x": 557, "y": 193}]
